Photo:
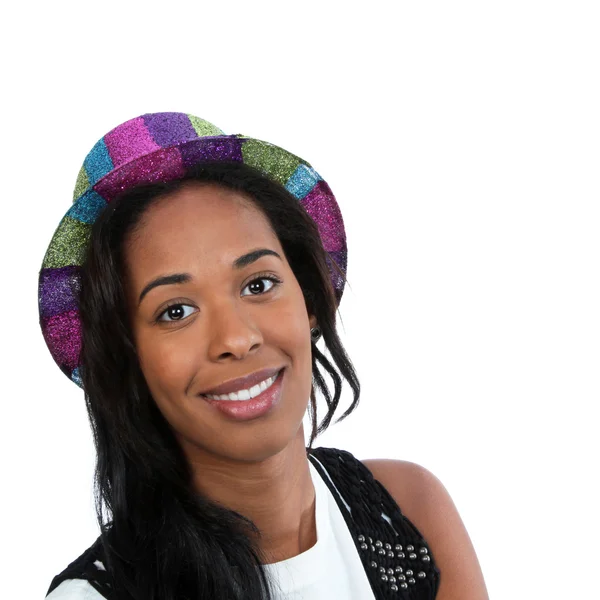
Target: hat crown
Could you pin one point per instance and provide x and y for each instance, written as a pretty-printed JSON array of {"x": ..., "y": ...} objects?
[{"x": 136, "y": 138}]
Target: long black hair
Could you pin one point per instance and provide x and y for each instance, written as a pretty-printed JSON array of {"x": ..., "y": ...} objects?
[{"x": 161, "y": 539}]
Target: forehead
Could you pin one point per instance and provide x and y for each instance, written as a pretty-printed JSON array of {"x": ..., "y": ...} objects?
[{"x": 202, "y": 226}]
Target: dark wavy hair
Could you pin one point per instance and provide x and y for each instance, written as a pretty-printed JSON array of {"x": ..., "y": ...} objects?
[{"x": 161, "y": 540}]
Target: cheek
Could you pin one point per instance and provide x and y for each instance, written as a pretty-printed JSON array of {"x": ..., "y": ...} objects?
[
  {"x": 167, "y": 364},
  {"x": 291, "y": 332}
]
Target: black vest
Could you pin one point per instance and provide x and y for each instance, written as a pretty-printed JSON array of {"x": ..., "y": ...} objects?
[{"x": 397, "y": 561}]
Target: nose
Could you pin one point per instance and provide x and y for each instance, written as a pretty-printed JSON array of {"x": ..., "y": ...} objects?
[{"x": 232, "y": 333}]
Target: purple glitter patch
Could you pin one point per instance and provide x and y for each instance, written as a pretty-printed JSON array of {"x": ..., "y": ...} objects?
[
  {"x": 340, "y": 258},
  {"x": 160, "y": 166},
  {"x": 63, "y": 337},
  {"x": 168, "y": 129},
  {"x": 226, "y": 148},
  {"x": 338, "y": 280},
  {"x": 128, "y": 141},
  {"x": 321, "y": 205},
  {"x": 59, "y": 290}
]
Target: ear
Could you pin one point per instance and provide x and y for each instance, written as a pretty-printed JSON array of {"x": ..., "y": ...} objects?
[{"x": 313, "y": 321}]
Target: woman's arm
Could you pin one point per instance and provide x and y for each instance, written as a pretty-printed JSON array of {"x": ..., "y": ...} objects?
[{"x": 425, "y": 502}]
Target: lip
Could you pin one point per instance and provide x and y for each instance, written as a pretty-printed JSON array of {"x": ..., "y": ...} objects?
[
  {"x": 249, "y": 410},
  {"x": 242, "y": 383}
]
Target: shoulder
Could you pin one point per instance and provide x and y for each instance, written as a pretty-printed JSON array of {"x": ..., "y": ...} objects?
[
  {"x": 424, "y": 500},
  {"x": 74, "y": 589},
  {"x": 416, "y": 490}
]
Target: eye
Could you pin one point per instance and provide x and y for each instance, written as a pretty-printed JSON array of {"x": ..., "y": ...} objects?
[
  {"x": 176, "y": 312},
  {"x": 257, "y": 287}
]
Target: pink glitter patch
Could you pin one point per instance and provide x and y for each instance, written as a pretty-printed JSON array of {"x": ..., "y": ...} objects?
[
  {"x": 321, "y": 205},
  {"x": 160, "y": 166},
  {"x": 128, "y": 141},
  {"x": 63, "y": 336}
]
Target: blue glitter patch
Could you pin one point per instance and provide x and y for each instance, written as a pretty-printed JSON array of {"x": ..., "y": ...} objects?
[
  {"x": 87, "y": 207},
  {"x": 303, "y": 179},
  {"x": 76, "y": 377},
  {"x": 98, "y": 162}
]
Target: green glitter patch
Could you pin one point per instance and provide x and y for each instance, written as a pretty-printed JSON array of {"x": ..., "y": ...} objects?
[
  {"x": 83, "y": 183},
  {"x": 204, "y": 128},
  {"x": 273, "y": 161},
  {"x": 68, "y": 245}
]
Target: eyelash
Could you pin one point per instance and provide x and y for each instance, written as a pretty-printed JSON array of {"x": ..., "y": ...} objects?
[{"x": 261, "y": 276}]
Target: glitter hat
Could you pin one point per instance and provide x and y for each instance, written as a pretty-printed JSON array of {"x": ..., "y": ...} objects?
[{"x": 161, "y": 147}]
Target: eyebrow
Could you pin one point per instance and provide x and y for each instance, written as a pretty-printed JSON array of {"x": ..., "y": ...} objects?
[{"x": 177, "y": 278}]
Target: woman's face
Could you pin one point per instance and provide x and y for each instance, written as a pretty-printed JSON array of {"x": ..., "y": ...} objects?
[{"x": 208, "y": 325}]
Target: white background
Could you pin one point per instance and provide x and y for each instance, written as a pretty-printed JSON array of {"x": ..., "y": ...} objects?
[{"x": 462, "y": 141}]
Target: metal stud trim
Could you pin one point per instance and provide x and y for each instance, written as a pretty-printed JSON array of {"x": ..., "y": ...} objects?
[{"x": 396, "y": 576}]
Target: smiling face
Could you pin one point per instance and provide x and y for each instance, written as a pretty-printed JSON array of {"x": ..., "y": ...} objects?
[{"x": 207, "y": 316}]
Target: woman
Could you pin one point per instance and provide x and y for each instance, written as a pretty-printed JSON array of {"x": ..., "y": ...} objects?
[{"x": 186, "y": 290}]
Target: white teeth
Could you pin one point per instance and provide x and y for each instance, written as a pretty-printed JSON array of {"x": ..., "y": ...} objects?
[
  {"x": 254, "y": 391},
  {"x": 242, "y": 395}
]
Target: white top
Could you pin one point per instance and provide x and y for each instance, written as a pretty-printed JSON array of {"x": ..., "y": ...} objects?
[{"x": 330, "y": 569}]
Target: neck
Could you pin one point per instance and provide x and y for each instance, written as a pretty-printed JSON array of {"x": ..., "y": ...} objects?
[{"x": 276, "y": 493}]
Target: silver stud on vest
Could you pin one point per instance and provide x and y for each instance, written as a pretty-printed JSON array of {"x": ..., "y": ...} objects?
[{"x": 395, "y": 576}]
